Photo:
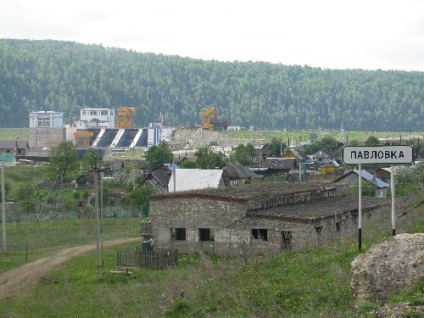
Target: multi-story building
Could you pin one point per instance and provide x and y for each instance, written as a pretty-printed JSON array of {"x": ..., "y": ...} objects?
[
  {"x": 97, "y": 118},
  {"x": 46, "y": 129}
]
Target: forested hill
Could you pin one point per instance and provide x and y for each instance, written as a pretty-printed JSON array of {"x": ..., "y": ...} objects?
[{"x": 65, "y": 76}]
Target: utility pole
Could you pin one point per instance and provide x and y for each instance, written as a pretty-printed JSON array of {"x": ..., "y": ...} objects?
[{"x": 96, "y": 173}]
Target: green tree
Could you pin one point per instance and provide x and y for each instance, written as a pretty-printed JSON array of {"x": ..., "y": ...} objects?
[
  {"x": 157, "y": 155},
  {"x": 328, "y": 143},
  {"x": 244, "y": 154},
  {"x": 90, "y": 159},
  {"x": 207, "y": 159},
  {"x": 63, "y": 163},
  {"x": 188, "y": 165},
  {"x": 139, "y": 198},
  {"x": 313, "y": 137},
  {"x": 275, "y": 148},
  {"x": 311, "y": 148},
  {"x": 354, "y": 143},
  {"x": 129, "y": 177},
  {"x": 371, "y": 141}
]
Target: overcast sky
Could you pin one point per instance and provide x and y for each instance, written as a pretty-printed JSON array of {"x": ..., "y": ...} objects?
[{"x": 336, "y": 34}]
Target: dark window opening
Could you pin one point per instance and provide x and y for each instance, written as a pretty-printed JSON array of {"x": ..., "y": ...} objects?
[
  {"x": 318, "y": 229},
  {"x": 337, "y": 226},
  {"x": 260, "y": 234},
  {"x": 287, "y": 239},
  {"x": 180, "y": 234},
  {"x": 206, "y": 235}
]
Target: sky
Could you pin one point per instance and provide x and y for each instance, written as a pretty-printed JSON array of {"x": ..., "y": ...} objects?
[{"x": 330, "y": 34}]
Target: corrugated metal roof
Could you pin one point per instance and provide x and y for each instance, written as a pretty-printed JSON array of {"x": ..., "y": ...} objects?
[
  {"x": 279, "y": 163},
  {"x": 11, "y": 144},
  {"x": 371, "y": 178},
  {"x": 194, "y": 179},
  {"x": 234, "y": 170}
]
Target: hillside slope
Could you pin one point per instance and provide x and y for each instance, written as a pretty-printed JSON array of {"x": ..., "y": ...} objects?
[{"x": 65, "y": 76}]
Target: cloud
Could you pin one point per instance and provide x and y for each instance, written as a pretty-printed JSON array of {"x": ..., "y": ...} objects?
[{"x": 386, "y": 34}]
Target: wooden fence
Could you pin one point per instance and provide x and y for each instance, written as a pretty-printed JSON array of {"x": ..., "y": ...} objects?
[{"x": 160, "y": 259}]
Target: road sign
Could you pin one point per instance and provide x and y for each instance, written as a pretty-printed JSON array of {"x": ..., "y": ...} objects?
[{"x": 378, "y": 154}]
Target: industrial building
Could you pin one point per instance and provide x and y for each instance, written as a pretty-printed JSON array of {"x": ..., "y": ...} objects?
[
  {"x": 46, "y": 129},
  {"x": 98, "y": 127}
]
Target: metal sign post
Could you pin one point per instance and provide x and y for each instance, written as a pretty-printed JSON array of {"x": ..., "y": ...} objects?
[
  {"x": 376, "y": 155},
  {"x": 392, "y": 188},
  {"x": 3, "y": 208},
  {"x": 360, "y": 208}
]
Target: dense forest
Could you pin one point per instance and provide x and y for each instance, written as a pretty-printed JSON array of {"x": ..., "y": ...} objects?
[{"x": 66, "y": 76}]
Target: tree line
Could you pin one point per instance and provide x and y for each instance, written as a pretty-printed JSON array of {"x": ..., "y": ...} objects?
[{"x": 66, "y": 76}]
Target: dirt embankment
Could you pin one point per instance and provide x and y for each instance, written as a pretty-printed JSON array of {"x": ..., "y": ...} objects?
[{"x": 11, "y": 282}]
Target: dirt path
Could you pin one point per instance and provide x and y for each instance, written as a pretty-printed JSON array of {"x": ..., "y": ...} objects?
[{"x": 11, "y": 282}]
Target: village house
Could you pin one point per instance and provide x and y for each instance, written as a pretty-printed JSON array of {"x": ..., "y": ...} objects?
[
  {"x": 158, "y": 178},
  {"x": 194, "y": 179},
  {"x": 277, "y": 166},
  {"x": 258, "y": 218},
  {"x": 383, "y": 174},
  {"x": 234, "y": 173},
  {"x": 295, "y": 154},
  {"x": 16, "y": 147},
  {"x": 352, "y": 177}
]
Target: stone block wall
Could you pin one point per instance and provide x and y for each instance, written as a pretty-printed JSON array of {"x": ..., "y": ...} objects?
[{"x": 232, "y": 230}]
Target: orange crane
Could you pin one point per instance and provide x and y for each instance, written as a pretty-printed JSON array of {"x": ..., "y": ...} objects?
[
  {"x": 126, "y": 117},
  {"x": 209, "y": 117}
]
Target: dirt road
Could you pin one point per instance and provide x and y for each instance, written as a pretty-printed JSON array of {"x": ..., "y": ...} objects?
[{"x": 13, "y": 281}]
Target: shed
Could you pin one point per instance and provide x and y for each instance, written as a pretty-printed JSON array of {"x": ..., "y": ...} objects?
[
  {"x": 17, "y": 147},
  {"x": 233, "y": 173},
  {"x": 258, "y": 218}
]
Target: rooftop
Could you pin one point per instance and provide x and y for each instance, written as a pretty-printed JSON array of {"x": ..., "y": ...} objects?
[
  {"x": 249, "y": 191},
  {"x": 318, "y": 209}
]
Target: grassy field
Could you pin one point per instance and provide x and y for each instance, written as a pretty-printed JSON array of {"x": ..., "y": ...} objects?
[
  {"x": 293, "y": 137},
  {"x": 14, "y": 133},
  {"x": 29, "y": 241},
  {"x": 310, "y": 283}
]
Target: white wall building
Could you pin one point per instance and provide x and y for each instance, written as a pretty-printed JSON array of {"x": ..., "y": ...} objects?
[
  {"x": 97, "y": 118},
  {"x": 45, "y": 118},
  {"x": 46, "y": 129}
]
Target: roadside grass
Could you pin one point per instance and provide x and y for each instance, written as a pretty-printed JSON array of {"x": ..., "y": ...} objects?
[
  {"x": 310, "y": 283},
  {"x": 28, "y": 241}
]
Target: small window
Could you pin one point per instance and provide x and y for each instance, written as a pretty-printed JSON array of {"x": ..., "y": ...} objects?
[
  {"x": 338, "y": 226},
  {"x": 260, "y": 234},
  {"x": 180, "y": 234},
  {"x": 206, "y": 235},
  {"x": 318, "y": 229}
]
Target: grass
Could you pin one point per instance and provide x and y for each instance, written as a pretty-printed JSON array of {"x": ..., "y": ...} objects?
[
  {"x": 14, "y": 134},
  {"x": 310, "y": 283},
  {"x": 29, "y": 241},
  {"x": 294, "y": 136}
]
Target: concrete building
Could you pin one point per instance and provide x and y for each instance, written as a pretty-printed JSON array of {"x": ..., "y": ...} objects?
[
  {"x": 46, "y": 129},
  {"x": 96, "y": 118},
  {"x": 259, "y": 218}
]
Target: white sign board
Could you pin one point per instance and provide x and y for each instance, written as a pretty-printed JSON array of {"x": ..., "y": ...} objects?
[{"x": 378, "y": 154}]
